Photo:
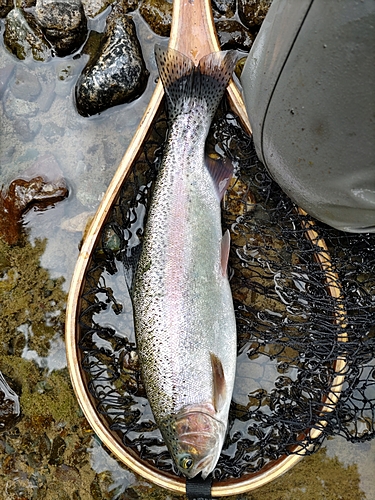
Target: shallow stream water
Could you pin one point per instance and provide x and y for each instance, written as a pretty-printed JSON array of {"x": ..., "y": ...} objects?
[{"x": 50, "y": 451}]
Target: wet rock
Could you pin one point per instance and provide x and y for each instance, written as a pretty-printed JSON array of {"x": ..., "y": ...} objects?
[
  {"x": 24, "y": 38},
  {"x": 64, "y": 24},
  {"x": 18, "y": 342},
  {"x": 117, "y": 73},
  {"x": 57, "y": 451},
  {"x": 233, "y": 35},
  {"x": 67, "y": 473},
  {"x": 95, "y": 490},
  {"x": 9, "y": 405},
  {"x": 224, "y": 7},
  {"x": 158, "y": 15},
  {"x": 42, "y": 190},
  {"x": 19, "y": 108},
  {"x": 25, "y": 4},
  {"x": 5, "y": 7},
  {"x": 43, "y": 444},
  {"x": 129, "y": 5},
  {"x": 253, "y": 12},
  {"x": 28, "y": 94},
  {"x": 94, "y": 7},
  {"x": 24, "y": 99},
  {"x": 34, "y": 460},
  {"x": 112, "y": 241}
]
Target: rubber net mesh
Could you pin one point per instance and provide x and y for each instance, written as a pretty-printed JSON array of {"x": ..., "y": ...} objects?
[{"x": 305, "y": 307}]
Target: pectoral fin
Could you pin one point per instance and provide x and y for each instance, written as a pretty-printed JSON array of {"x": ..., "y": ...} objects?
[
  {"x": 221, "y": 171},
  {"x": 219, "y": 383}
]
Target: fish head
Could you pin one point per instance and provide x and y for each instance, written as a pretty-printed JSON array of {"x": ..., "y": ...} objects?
[{"x": 194, "y": 438}]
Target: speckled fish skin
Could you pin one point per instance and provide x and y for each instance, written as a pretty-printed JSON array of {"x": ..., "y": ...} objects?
[{"x": 183, "y": 307}]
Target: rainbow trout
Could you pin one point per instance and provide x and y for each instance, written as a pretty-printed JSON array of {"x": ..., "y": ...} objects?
[{"x": 183, "y": 308}]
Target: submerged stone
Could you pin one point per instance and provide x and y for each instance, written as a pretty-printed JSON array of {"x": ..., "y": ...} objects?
[
  {"x": 26, "y": 128},
  {"x": 24, "y": 38},
  {"x": 25, "y": 85},
  {"x": 94, "y": 7},
  {"x": 128, "y": 5},
  {"x": 111, "y": 240},
  {"x": 25, "y": 4},
  {"x": 158, "y": 15},
  {"x": 43, "y": 186},
  {"x": 9, "y": 405},
  {"x": 225, "y": 7},
  {"x": 64, "y": 24},
  {"x": 5, "y": 7},
  {"x": 6, "y": 73},
  {"x": 116, "y": 74},
  {"x": 253, "y": 12},
  {"x": 233, "y": 35},
  {"x": 57, "y": 451}
]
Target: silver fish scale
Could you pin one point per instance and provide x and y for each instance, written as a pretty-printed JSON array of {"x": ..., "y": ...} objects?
[{"x": 182, "y": 302}]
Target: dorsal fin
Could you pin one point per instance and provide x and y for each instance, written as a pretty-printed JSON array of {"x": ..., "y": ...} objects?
[{"x": 219, "y": 384}]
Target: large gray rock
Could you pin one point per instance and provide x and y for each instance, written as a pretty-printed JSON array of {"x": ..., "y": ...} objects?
[{"x": 116, "y": 73}]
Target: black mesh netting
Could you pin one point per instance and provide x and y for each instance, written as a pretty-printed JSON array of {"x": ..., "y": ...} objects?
[{"x": 305, "y": 307}]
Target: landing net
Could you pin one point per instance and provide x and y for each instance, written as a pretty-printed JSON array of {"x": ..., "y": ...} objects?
[{"x": 304, "y": 297}]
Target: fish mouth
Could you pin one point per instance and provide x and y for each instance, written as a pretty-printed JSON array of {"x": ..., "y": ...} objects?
[
  {"x": 206, "y": 466},
  {"x": 194, "y": 437},
  {"x": 200, "y": 435}
]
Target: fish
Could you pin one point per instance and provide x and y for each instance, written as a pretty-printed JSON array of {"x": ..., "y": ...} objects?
[{"x": 182, "y": 302}]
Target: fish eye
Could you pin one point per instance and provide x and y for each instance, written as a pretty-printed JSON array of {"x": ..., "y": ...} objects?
[{"x": 186, "y": 462}]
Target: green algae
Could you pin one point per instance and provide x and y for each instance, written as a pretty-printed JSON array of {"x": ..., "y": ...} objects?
[
  {"x": 30, "y": 300},
  {"x": 316, "y": 477},
  {"x": 42, "y": 393}
]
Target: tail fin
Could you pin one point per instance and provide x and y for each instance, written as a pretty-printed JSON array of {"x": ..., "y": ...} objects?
[{"x": 183, "y": 80}]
